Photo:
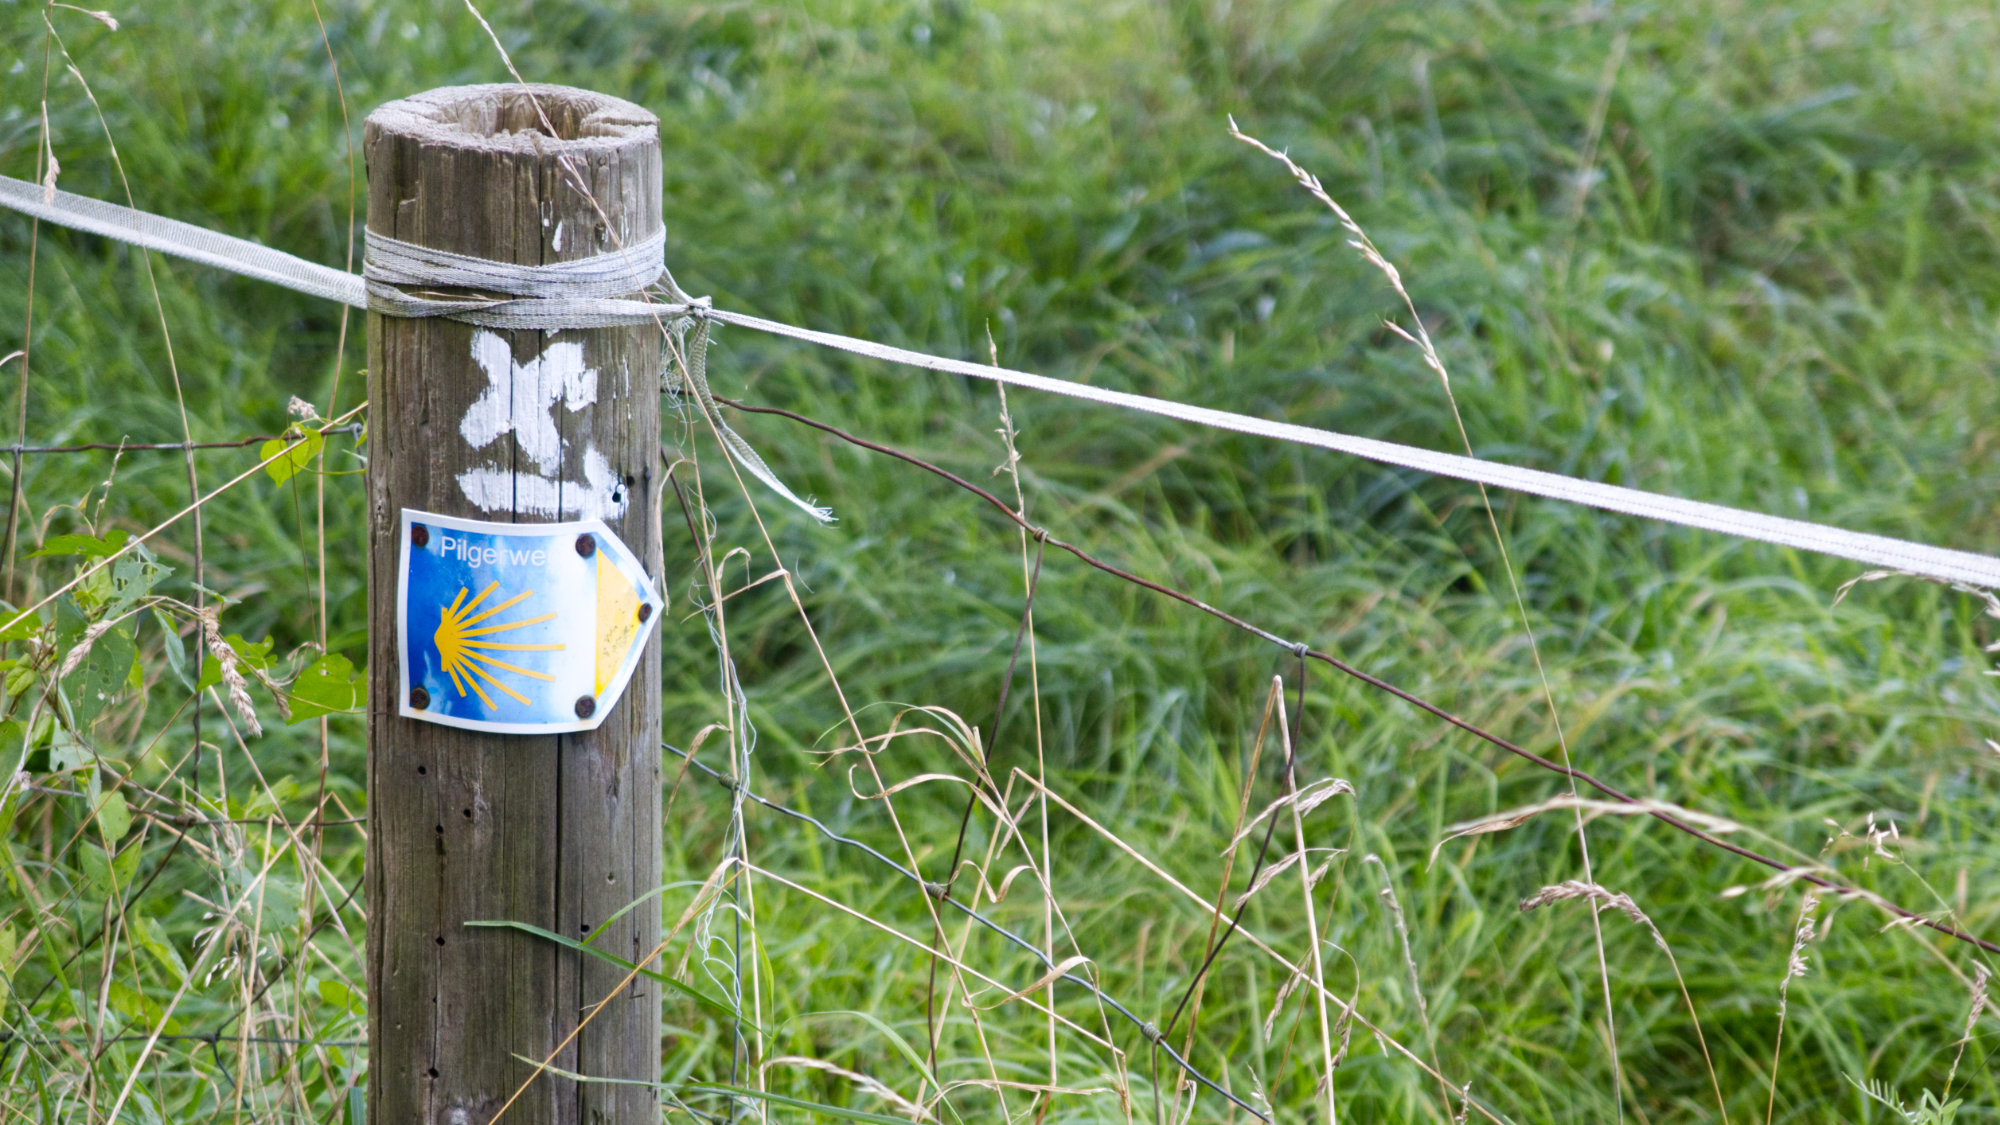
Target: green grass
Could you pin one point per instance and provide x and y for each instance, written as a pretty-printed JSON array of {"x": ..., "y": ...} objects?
[{"x": 1779, "y": 292}]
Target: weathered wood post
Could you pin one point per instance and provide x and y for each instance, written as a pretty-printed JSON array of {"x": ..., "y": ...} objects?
[{"x": 558, "y": 831}]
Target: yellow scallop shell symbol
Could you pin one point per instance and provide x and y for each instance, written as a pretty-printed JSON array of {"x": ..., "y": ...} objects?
[{"x": 464, "y": 654}]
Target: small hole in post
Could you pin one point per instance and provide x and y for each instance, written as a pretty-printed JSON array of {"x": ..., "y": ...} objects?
[
  {"x": 423, "y": 770},
  {"x": 440, "y": 939},
  {"x": 434, "y": 1072},
  {"x": 468, "y": 814}
]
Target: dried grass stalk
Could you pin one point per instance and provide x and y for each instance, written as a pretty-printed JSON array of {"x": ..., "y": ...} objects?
[
  {"x": 863, "y": 1082},
  {"x": 1980, "y": 975},
  {"x": 76, "y": 656},
  {"x": 232, "y": 676},
  {"x": 1605, "y": 898},
  {"x": 1795, "y": 967}
]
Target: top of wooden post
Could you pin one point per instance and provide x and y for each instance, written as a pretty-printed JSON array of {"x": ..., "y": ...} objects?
[
  {"x": 509, "y": 117},
  {"x": 515, "y": 172}
]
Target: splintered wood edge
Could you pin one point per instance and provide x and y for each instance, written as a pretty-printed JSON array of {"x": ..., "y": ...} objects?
[{"x": 501, "y": 118}]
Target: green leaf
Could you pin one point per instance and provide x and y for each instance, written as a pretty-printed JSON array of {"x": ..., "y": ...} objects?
[
  {"x": 328, "y": 686},
  {"x": 101, "y": 872},
  {"x": 341, "y": 996},
  {"x": 105, "y": 668},
  {"x": 714, "y": 1006},
  {"x": 20, "y": 678},
  {"x": 175, "y": 650},
  {"x": 126, "y": 866},
  {"x": 89, "y": 547},
  {"x": 15, "y": 739},
  {"x": 152, "y": 937},
  {"x": 132, "y": 578},
  {"x": 71, "y": 621},
  {"x": 126, "y": 1001},
  {"x": 103, "y": 675},
  {"x": 256, "y": 654},
  {"x": 283, "y": 465},
  {"x": 114, "y": 817},
  {"x": 266, "y": 800},
  {"x": 19, "y": 626},
  {"x": 67, "y": 751}
]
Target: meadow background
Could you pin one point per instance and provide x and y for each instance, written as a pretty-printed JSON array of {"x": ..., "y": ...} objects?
[{"x": 1742, "y": 252}]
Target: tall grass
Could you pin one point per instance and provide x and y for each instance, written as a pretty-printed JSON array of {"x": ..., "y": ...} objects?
[{"x": 1745, "y": 253}]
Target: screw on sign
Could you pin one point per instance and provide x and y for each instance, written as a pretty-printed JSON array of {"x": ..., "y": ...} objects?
[{"x": 518, "y": 628}]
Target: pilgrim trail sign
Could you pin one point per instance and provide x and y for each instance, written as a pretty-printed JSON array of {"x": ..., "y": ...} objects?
[{"x": 517, "y": 628}]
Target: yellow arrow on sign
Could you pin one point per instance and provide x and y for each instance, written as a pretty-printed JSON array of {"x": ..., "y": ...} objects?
[{"x": 618, "y": 620}]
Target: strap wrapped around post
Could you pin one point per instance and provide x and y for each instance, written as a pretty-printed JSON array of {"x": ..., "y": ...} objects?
[
  {"x": 596, "y": 292},
  {"x": 624, "y": 283}
]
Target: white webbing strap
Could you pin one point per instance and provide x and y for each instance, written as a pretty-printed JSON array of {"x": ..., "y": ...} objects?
[
  {"x": 622, "y": 270},
  {"x": 251, "y": 260},
  {"x": 579, "y": 294},
  {"x": 236, "y": 255},
  {"x": 1876, "y": 550},
  {"x": 588, "y": 292}
]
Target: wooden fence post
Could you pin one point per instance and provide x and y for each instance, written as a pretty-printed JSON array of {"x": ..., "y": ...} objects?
[{"x": 558, "y": 831}]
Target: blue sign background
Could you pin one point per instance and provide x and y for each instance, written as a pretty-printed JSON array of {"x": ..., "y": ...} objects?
[{"x": 503, "y": 626}]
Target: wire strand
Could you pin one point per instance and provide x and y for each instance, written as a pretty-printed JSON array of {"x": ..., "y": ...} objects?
[{"x": 1339, "y": 665}]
